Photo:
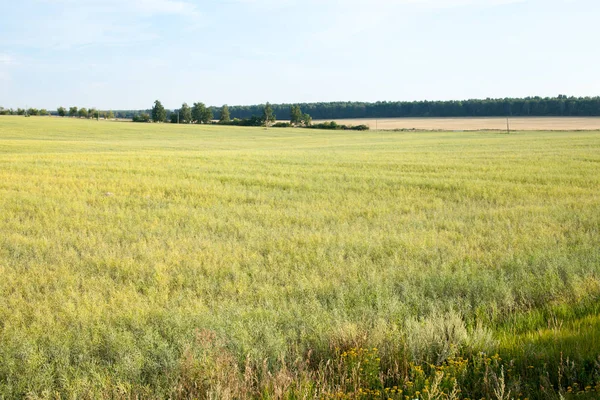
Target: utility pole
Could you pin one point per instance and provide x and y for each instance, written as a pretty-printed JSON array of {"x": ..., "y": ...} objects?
[{"x": 507, "y": 127}]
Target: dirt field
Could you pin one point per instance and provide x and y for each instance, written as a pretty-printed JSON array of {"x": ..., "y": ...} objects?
[{"x": 458, "y": 124}]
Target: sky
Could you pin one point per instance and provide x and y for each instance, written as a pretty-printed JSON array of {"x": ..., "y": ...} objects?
[{"x": 124, "y": 54}]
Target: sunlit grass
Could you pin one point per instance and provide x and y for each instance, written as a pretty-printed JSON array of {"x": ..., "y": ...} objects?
[{"x": 119, "y": 242}]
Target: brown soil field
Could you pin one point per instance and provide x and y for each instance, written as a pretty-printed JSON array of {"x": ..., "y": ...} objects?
[{"x": 472, "y": 124}]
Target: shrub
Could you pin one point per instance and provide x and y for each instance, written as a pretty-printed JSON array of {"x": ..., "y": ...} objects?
[{"x": 143, "y": 117}]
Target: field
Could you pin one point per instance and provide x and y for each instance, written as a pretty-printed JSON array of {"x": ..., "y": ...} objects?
[
  {"x": 473, "y": 124},
  {"x": 183, "y": 261}
]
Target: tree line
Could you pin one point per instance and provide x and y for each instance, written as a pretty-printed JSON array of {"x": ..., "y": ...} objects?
[
  {"x": 561, "y": 105},
  {"x": 62, "y": 112},
  {"x": 517, "y": 107},
  {"x": 529, "y": 106},
  {"x": 199, "y": 113}
]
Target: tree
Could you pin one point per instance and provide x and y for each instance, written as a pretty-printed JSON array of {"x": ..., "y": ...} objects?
[
  {"x": 207, "y": 116},
  {"x": 143, "y": 117},
  {"x": 225, "y": 117},
  {"x": 33, "y": 111},
  {"x": 295, "y": 115},
  {"x": 110, "y": 115},
  {"x": 201, "y": 113},
  {"x": 198, "y": 112},
  {"x": 83, "y": 113},
  {"x": 268, "y": 117},
  {"x": 306, "y": 120},
  {"x": 159, "y": 114},
  {"x": 72, "y": 111},
  {"x": 93, "y": 113},
  {"x": 61, "y": 111},
  {"x": 43, "y": 111},
  {"x": 174, "y": 116},
  {"x": 185, "y": 114}
]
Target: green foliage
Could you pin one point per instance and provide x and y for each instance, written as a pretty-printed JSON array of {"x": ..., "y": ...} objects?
[
  {"x": 185, "y": 114},
  {"x": 529, "y": 106},
  {"x": 142, "y": 117},
  {"x": 201, "y": 114},
  {"x": 268, "y": 118},
  {"x": 159, "y": 114},
  {"x": 334, "y": 125},
  {"x": 159, "y": 261},
  {"x": 295, "y": 115},
  {"x": 306, "y": 120},
  {"x": 252, "y": 121},
  {"x": 174, "y": 116},
  {"x": 73, "y": 111},
  {"x": 83, "y": 112},
  {"x": 61, "y": 111},
  {"x": 224, "y": 118},
  {"x": 33, "y": 111}
]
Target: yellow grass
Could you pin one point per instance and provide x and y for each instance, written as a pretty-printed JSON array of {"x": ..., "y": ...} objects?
[{"x": 221, "y": 262}]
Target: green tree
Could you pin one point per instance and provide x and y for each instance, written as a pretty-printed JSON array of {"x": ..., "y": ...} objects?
[
  {"x": 201, "y": 113},
  {"x": 110, "y": 115},
  {"x": 33, "y": 111},
  {"x": 61, "y": 111},
  {"x": 174, "y": 116},
  {"x": 198, "y": 112},
  {"x": 268, "y": 117},
  {"x": 83, "y": 113},
  {"x": 93, "y": 113},
  {"x": 185, "y": 114},
  {"x": 225, "y": 117},
  {"x": 159, "y": 114},
  {"x": 306, "y": 120},
  {"x": 143, "y": 117},
  {"x": 295, "y": 115},
  {"x": 207, "y": 115},
  {"x": 73, "y": 111},
  {"x": 43, "y": 111}
]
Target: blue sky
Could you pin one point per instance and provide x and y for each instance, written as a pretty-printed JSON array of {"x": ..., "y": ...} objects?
[{"x": 124, "y": 54}]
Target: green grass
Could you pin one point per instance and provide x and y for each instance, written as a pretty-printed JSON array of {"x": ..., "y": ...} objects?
[{"x": 171, "y": 260}]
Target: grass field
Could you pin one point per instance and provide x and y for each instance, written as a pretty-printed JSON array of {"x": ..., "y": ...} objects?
[
  {"x": 156, "y": 260},
  {"x": 474, "y": 124}
]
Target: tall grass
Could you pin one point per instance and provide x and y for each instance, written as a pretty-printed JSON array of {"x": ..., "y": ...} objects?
[{"x": 186, "y": 261}]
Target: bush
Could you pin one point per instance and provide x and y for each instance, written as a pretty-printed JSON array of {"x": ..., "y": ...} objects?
[
  {"x": 252, "y": 121},
  {"x": 335, "y": 126},
  {"x": 143, "y": 117}
]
